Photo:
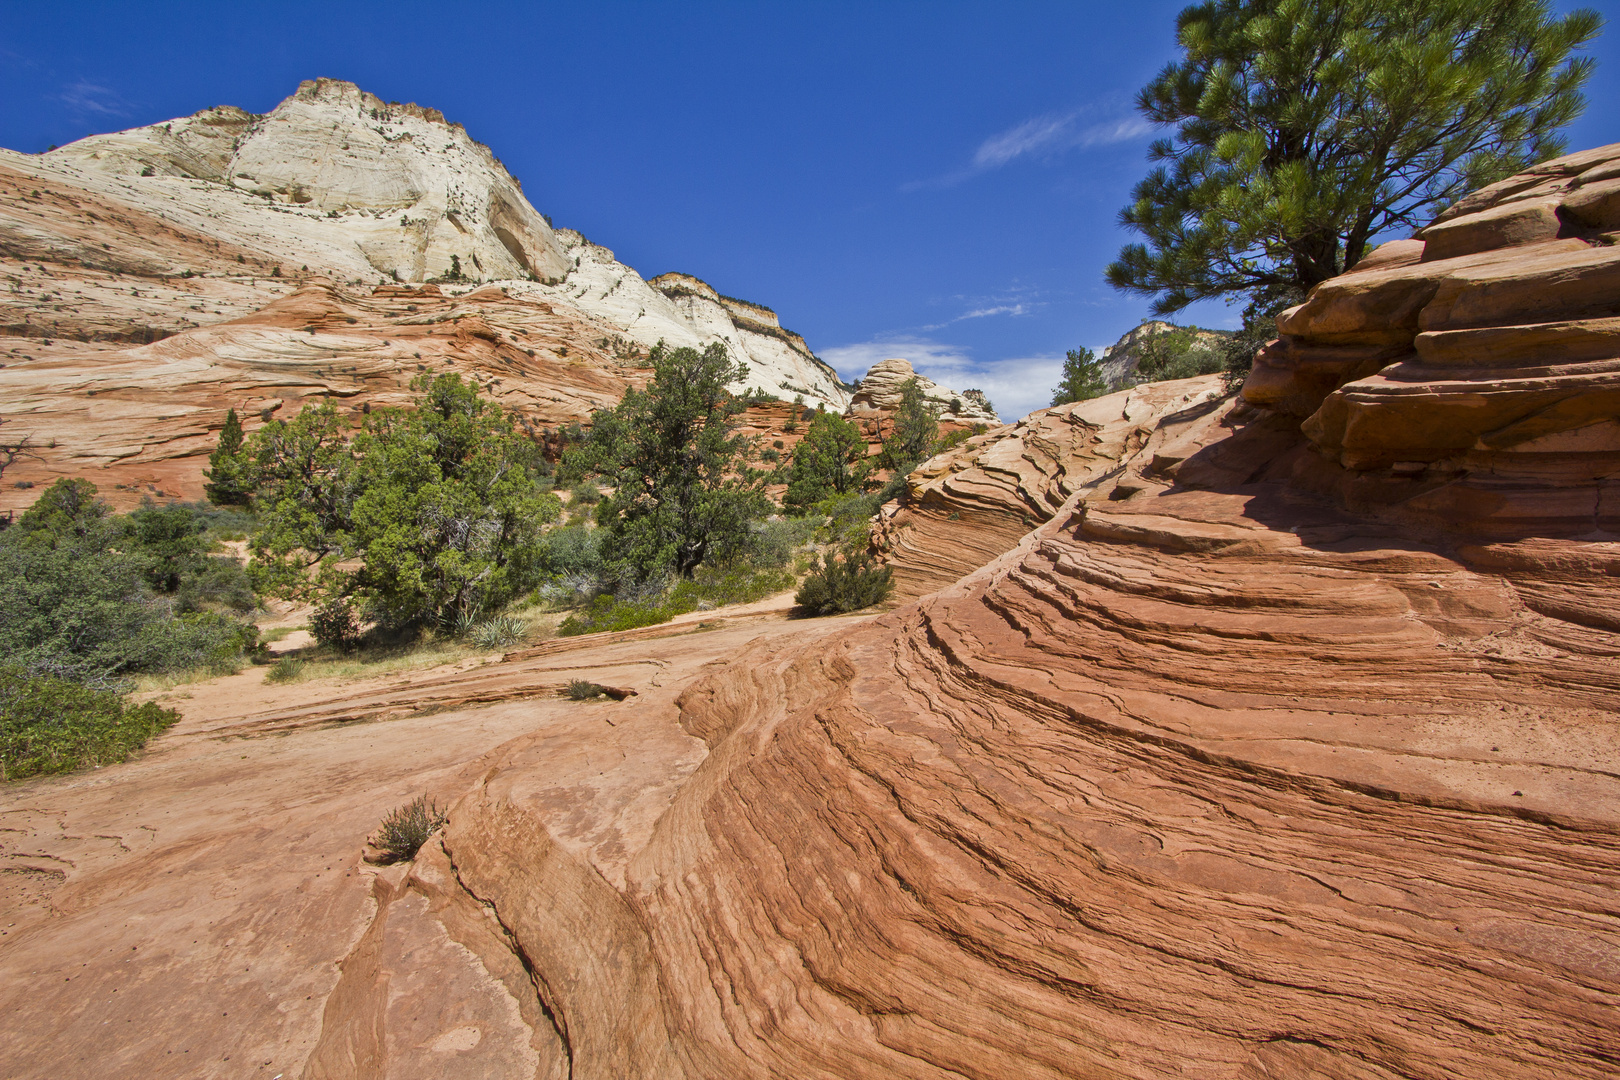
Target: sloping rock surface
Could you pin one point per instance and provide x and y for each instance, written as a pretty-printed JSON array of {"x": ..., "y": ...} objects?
[
  {"x": 971, "y": 504},
  {"x": 1238, "y": 766},
  {"x": 1218, "y": 772}
]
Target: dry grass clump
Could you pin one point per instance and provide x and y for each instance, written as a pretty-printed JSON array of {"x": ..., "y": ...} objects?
[
  {"x": 405, "y": 830},
  {"x": 584, "y": 690}
]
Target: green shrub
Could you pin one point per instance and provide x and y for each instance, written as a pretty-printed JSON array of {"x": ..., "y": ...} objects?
[
  {"x": 709, "y": 587},
  {"x": 333, "y": 624},
  {"x": 51, "y": 725},
  {"x": 499, "y": 632},
  {"x": 405, "y": 830},
  {"x": 605, "y": 613},
  {"x": 575, "y": 549},
  {"x": 771, "y": 543},
  {"x": 841, "y": 584},
  {"x": 421, "y": 516},
  {"x": 714, "y": 586},
  {"x": 90, "y": 595}
]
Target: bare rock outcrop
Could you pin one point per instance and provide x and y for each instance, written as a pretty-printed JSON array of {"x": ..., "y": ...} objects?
[
  {"x": 879, "y": 392},
  {"x": 969, "y": 505},
  {"x": 1471, "y": 375},
  {"x": 407, "y": 188}
]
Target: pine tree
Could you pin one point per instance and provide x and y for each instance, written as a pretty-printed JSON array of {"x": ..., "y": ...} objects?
[
  {"x": 1082, "y": 378},
  {"x": 830, "y": 461},
  {"x": 1308, "y": 129},
  {"x": 683, "y": 494},
  {"x": 916, "y": 429},
  {"x": 229, "y": 473}
]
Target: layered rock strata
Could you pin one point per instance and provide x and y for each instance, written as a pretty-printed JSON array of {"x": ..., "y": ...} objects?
[
  {"x": 1239, "y": 766},
  {"x": 966, "y": 507},
  {"x": 1471, "y": 374},
  {"x": 1214, "y": 773}
]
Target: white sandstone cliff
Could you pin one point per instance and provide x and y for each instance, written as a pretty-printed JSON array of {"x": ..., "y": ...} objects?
[{"x": 340, "y": 183}]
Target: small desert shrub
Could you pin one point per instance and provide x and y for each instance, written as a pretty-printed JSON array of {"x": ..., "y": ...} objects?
[
  {"x": 287, "y": 669},
  {"x": 498, "y": 632},
  {"x": 585, "y": 495},
  {"x": 405, "y": 830},
  {"x": 606, "y": 613},
  {"x": 847, "y": 583},
  {"x": 333, "y": 624},
  {"x": 584, "y": 690},
  {"x": 51, "y": 725},
  {"x": 710, "y": 587}
]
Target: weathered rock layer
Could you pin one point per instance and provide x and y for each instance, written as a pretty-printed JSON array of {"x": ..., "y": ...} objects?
[{"x": 1247, "y": 763}]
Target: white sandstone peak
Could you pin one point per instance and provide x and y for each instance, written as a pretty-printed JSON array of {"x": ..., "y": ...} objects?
[{"x": 338, "y": 182}]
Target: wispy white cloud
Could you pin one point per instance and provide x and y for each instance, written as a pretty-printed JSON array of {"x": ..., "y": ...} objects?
[
  {"x": 1015, "y": 385},
  {"x": 1047, "y": 136},
  {"x": 1013, "y": 310},
  {"x": 88, "y": 98}
]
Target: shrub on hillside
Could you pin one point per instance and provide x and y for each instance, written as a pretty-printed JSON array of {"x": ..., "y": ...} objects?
[
  {"x": 709, "y": 587},
  {"x": 89, "y": 595},
  {"x": 333, "y": 624},
  {"x": 843, "y": 583},
  {"x": 424, "y": 516},
  {"x": 52, "y": 725}
]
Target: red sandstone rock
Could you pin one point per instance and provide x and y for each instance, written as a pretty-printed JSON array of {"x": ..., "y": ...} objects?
[{"x": 1285, "y": 747}]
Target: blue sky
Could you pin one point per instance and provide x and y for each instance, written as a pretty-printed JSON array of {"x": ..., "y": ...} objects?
[{"x": 936, "y": 181}]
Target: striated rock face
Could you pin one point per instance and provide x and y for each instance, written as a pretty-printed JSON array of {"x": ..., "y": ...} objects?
[
  {"x": 1471, "y": 376},
  {"x": 1191, "y": 783},
  {"x": 879, "y": 392},
  {"x": 1237, "y": 760},
  {"x": 969, "y": 505},
  {"x": 1213, "y": 773}
]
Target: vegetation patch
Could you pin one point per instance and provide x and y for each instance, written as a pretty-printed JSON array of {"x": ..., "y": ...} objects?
[
  {"x": 52, "y": 725},
  {"x": 841, "y": 583},
  {"x": 584, "y": 690}
]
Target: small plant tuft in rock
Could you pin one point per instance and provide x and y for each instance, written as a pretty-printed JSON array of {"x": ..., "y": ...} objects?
[
  {"x": 584, "y": 690},
  {"x": 498, "y": 632},
  {"x": 405, "y": 830}
]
